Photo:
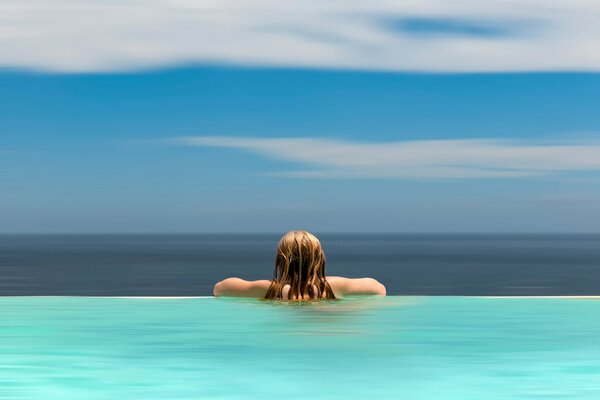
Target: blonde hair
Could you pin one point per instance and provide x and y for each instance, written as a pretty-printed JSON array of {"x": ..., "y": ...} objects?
[{"x": 300, "y": 263}]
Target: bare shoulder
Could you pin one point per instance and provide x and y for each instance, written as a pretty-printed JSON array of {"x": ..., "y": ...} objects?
[
  {"x": 355, "y": 286},
  {"x": 236, "y": 287}
]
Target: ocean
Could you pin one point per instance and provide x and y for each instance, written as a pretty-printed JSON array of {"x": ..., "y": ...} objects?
[{"x": 190, "y": 264}]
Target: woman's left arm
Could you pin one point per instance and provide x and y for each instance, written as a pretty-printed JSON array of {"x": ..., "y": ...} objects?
[{"x": 236, "y": 287}]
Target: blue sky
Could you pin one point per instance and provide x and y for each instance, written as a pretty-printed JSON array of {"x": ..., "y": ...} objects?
[
  {"x": 430, "y": 119},
  {"x": 95, "y": 152}
]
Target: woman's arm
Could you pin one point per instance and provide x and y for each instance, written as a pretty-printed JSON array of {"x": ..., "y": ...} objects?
[
  {"x": 355, "y": 286},
  {"x": 236, "y": 287}
]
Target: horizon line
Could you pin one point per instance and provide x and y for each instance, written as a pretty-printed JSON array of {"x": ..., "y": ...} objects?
[{"x": 279, "y": 232}]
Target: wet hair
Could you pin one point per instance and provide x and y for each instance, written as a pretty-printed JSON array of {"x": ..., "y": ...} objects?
[{"x": 300, "y": 263}]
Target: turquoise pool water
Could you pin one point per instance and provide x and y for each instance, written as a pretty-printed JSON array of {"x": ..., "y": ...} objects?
[{"x": 383, "y": 348}]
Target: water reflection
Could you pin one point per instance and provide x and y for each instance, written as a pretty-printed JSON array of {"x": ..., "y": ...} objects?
[{"x": 322, "y": 317}]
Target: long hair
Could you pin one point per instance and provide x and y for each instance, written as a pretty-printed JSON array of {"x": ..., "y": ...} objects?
[{"x": 300, "y": 263}]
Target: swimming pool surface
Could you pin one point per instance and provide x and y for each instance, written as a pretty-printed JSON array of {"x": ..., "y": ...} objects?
[{"x": 382, "y": 348}]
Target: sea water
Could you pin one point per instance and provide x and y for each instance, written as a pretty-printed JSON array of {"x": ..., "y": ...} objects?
[
  {"x": 393, "y": 347},
  {"x": 408, "y": 264}
]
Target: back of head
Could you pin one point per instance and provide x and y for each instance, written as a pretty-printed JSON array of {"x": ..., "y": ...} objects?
[{"x": 300, "y": 263}]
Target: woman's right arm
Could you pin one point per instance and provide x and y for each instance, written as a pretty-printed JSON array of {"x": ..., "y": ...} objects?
[
  {"x": 355, "y": 286},
  {"x": 236, "y": 287}
]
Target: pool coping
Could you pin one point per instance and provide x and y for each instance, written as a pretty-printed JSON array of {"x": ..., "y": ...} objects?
[{"x": 484, "y": 297}]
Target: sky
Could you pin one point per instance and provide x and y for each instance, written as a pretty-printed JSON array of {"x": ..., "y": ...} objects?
[{"x": 263, "y": 116}]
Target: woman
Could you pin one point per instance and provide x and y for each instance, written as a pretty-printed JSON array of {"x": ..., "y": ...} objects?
[{"x": 299, "y": 275}]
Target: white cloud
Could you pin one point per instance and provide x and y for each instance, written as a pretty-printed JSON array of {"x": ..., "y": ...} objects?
[
  {"x": 480, "y": 158},
  {"x": 428, "y": 35}
]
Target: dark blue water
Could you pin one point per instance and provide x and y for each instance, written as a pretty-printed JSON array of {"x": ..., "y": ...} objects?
[{"x": 189, "y": 265}]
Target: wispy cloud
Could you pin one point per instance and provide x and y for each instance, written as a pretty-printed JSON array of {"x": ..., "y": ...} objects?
[
  {"x": 457, "y": 27},
  {"x": 481, "y": 158},
  {"x": 429, "y": 35}
]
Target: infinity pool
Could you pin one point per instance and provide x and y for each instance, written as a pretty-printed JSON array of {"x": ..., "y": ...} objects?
[{"x": 381, "y": 348}]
